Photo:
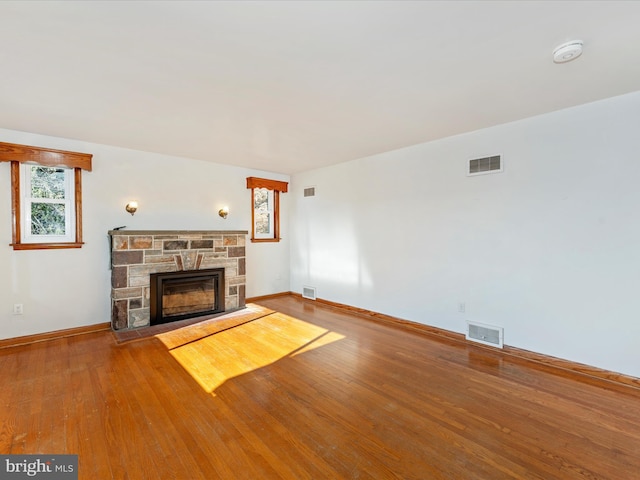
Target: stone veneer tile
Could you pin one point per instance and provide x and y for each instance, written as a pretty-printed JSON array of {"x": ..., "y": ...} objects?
[
  {"x": 140, "y": 243},
  {"x": 199, "y": 244},
  {"x": 236, "y": 252},
  {"x": 233, "y": 290},
  {"x": 146, "y": 297},
  {"x": 139, "y": 281},
  {"x": 120, "y": 242},
  {"x": 230, "y": 302},
  {"x": 241, "y": 295},
  {"x": 159, "y": 259},
  {"x": 127, "y": 292},
  {"x": 119, "y": 277},
  {"x": 175, "y": 245},
  {"x": 146, "y": 270},
  {"x": 119, "y": 314},
  {"x": 127, "y": 258},
  {"x": 135, "y": 303},
  {"x": 235, "y": 281},
  {"x": 230, "y": 240},
  {"x": 242, "y": 270},
  {"x": 143, "y": 280},
  {"x": 139, "y": 318},
  {"x": 189, "y": 258},
  {"x": 212, "y": 261}
]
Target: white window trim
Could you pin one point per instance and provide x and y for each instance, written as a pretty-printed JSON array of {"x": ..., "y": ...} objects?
[
  {"x": 27, "y": 200},
  {"x": 270, "y": 211}
]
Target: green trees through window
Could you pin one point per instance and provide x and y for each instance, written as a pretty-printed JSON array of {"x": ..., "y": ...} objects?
[
  {"x": 263, "y": 212},
  {"x": 49, "y": 200}
]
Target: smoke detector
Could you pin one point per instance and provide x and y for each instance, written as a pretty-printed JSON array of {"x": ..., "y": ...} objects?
[{"x": 567, "y": 51}]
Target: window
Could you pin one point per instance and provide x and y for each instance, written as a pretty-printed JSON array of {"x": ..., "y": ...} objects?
[
  {"x": 46, "y": 196},
  {"x": 265, "y": 208},
  {"x": 47, "y": 207},
  {"x": 263, "y": 213}
]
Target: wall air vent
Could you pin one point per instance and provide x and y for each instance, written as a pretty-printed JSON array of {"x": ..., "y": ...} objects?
[
  {"x": 309, "y": 292},
  {"x": 481, "y": 166},
  {"x": 310, "y": 191},
  {"x": 486, "y": 334}
]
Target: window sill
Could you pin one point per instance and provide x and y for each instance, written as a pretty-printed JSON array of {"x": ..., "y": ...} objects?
[{"x": 45, "y": 246}]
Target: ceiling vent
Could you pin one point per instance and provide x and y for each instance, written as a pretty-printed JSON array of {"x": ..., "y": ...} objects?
[
  {"x": 310, "y": 191},
  {"x": 309, "y": 292},
  {"x": 485, "y": 334},
  {"x": 482, "y": 166}
]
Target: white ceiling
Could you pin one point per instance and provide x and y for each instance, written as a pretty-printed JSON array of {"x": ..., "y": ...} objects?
[{"x": 291, "y": 86}]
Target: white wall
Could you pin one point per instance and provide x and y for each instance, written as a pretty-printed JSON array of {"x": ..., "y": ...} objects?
[
  {"x": 69, "y": 288},
  {"x": 549, "y": 249}
]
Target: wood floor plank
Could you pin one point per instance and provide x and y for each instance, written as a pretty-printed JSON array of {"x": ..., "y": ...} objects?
[
  {"x": 182, "y": 336},
  {"x": 8, "y": 400},
  {"x": 305, "y": 391}
]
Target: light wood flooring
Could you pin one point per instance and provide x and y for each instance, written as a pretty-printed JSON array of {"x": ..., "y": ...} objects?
[{"x": 309, "y": 392}]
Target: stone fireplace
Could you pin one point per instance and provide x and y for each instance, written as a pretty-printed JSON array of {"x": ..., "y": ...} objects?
[{"x": 136, "y": 256}]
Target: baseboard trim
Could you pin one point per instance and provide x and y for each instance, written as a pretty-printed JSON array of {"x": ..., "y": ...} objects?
[
  {"x": 43, "y": 337},
  {"x": 267, "y": 297},
  {"x": 553, "y": 363}
]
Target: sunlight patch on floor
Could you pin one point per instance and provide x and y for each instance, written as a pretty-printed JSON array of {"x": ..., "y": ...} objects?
[{"x": 217, "y": 358}]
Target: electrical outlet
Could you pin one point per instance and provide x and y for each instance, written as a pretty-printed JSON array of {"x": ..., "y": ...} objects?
[
  {"x": 462, "y": 307},
  {"x": 17, "y": 309}
]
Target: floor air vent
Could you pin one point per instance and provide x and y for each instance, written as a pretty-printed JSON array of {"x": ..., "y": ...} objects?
[
  {"x": 309, "y": 292},
  {"x": 487, "y": 334},
  {"x": 480, "y": 166}
]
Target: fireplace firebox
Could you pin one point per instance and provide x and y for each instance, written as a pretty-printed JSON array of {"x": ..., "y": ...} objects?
[{"x": 186, "y": 294}]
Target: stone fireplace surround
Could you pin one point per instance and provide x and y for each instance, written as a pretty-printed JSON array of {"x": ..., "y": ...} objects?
[{"x": 136, "y": 254}]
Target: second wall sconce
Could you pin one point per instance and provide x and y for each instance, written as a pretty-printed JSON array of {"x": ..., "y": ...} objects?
[
  {"x": 223, "y": 212},
  {"x": 131, "y": 207}
]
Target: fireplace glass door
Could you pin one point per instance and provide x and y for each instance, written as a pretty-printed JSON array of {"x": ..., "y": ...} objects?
[{"x": 186, "y": 294}]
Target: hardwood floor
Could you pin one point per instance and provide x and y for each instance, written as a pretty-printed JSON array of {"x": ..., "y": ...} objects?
[{"x": 310, "y": 392}]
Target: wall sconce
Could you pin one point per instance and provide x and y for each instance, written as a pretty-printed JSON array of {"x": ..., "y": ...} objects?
[
  {"x": 131, "y": 207},
  {"x": 223, "y": 212}
]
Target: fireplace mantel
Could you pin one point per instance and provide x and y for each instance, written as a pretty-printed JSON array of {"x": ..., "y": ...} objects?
[
  {"x": 136, "y": 254},
  {"x": 177, "y": 232}
]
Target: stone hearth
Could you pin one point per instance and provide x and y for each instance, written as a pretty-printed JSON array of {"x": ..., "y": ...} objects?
[{"x": 135, "y": 255}]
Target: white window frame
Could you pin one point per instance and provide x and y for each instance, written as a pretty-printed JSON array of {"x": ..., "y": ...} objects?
[
  {"x": 27, "y": 201},
  {"x": 270, "y": 211}
]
